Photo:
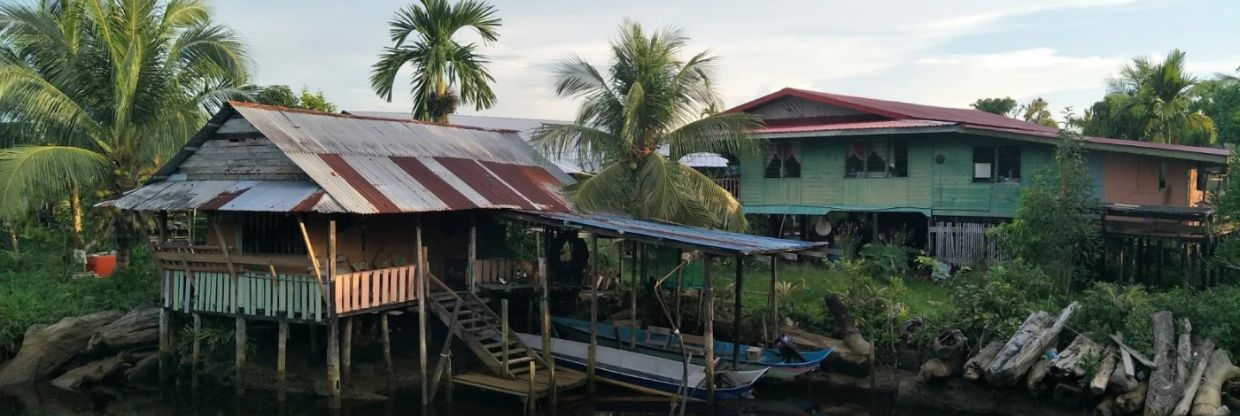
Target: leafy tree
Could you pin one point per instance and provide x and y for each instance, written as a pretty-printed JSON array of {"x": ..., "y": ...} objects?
[
  {"x": 1227, "y": 213},
  {"x": 103, "y": 91},
  {"x": 650, "y": 99},
  {"x": 283, "y": 96},
  {"x": 1054, "y": 222},
  {"x": 1219, "y": 99},
  {"x": 440, "y": 63},
  {"x": 1036, "y": 112},
  {"x": 1151, "y": 102},
  {"x": 1001, "y": 106}
]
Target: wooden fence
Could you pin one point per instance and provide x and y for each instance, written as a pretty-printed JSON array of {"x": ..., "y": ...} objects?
[
  {"x": 732, "y": 185},
  {"x": 292, "y": 296},
  {"x": 492, "y": 270},
  {"x": 359, "y": 292},
  {"x": 964, "y": 243}
]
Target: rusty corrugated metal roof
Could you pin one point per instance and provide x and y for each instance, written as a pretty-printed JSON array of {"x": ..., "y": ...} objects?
[{"x": 226, "y": 195}]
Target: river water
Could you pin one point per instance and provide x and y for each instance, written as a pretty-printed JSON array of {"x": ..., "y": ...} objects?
[{"x": 43, "y": 399}]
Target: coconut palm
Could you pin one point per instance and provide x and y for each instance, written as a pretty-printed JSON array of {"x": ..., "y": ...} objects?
[
  {"x": 1153, "y": 102},
  {"x": 650, "y": 100},
  {"x": 95, "y": 93},
  {"x": 440, "y": 63}
]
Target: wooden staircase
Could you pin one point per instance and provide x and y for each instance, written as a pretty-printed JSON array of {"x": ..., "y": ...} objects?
[{"x": 473, "y": 322}]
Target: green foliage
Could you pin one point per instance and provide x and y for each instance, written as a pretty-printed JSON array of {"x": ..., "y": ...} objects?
[
  {"x": 1107, "y": 308},
  {"x": 283, "y": 96},
  {"x": 877, "y": 307},
  {"x": 1001, "y": 297},
  {"x": 1054, "y": 222},
  {"x": 1227, "y": 212},
  {"x": 885, "y": 260},
  {"x": 1037, "y": 112},
  {"x": 651, "y": 99},
  {"x": 422, "y": 36},
  {"x": 316, "y": 101},
  {"x": 1219, "y": 99},
  {"x": 1001, "y": 106},
  {"x": 1151, "y": 102}
]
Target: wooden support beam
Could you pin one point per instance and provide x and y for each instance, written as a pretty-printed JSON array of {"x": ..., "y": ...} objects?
[
  {"x": 165, "y": 343},
  {"x": 638, "y": 267},
  {"x": 282, "y": 357},
  {"x": 503, "y": 335},
  {"x": 239, "y": 362},
  {"x": 773, "y": 300},
  {"x": 387, "y": 348},
  {"x": 422, "y": 330},
  {"x": 592, "y": 354},
  {"x": 195, "y": 355},
  {"x": 449, "y": 377},
  {"x": 333, "y": 322},
  {"x": 471, "y": 268},
  {"x": 446, "y": 350},
  {"x": 736, "y": 313},
  {"x": 708, "y": 301},
  {"x": 346, "y": 349},
  {"x": 530, "y": 398},
  {"x": 545, "y": 277}
]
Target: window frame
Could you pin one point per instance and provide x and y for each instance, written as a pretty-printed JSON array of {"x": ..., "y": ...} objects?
[
  {"x": 781, "y": 153},
  {"x": 995, "y": 158},
  {"x": 894, "y": 156}
]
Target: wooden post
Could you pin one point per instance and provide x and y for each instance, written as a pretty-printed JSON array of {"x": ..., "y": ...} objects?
[
  {"x": 195, "y": 356},
  {"x": 387, "y": 348},
  {"x": 773, "y": 300},
  {"x": 592, "y": 355},
  {"x": 422, "y": 334},
  {"x": 708, "y": 299},
  {"x": 346, "y": 349},
  {"x": 736, "y": 314},
  {"x": 282, "y": 357},
  {"x": 162, "y": 224},
  {"x": 638, "y": 266},
  {"x": 165, "y": 343},
  {"x": 333, "y": 322},
  {"x": 530, "y": 398},
  {"x": 503, "y": 333},
  {"x": 471, "y": 268},
  {"x": 450, "y": 380},
  {"x": 239, "y": 336},
  {"x": 546, "y": 312}
]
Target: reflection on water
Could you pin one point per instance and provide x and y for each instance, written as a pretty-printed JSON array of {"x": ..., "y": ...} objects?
[{"x": 44, "y": 399}]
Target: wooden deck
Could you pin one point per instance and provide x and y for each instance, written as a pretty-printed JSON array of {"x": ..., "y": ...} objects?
[{"x": 565, "y": 379}]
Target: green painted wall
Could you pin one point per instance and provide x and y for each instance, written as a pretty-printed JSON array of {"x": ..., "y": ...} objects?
[{"x": 941, "y": 189}]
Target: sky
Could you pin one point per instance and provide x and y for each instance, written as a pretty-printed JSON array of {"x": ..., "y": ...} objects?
[{"x": 941, "y": 52}]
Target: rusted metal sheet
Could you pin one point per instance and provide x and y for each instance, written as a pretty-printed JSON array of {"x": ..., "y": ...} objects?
[{"x": 224, "y": 195}]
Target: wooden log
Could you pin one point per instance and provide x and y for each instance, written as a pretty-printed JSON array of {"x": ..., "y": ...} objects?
[
  {"x": 1102, "y": 377},
  {"x": 1136, "y": 355},
  {"x": 1027, "y": 330},
  {"x": 974, "y": 368},
  {"x": 1121, "y": 382},
  {"x": 949, "y": 357},
  {"x": 1016, "y": 367},
  {"x": 1201, "y": 357},
  {"x": 1132, "y": 401},
  {"x": 1067, "y": 364},
  {"x": 1209, "y": 398},
  {"x": 847, "y": 327},
  {"x": 1106, "y": 407},
  {"x": 1035, "y": 381},
  {"x": 1183, "y": 352},
  {"x": 1164, "y": 392}
]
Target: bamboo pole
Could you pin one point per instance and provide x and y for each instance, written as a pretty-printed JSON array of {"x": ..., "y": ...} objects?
[
  {"x": 282, "y": 357},
  {"x": 736, "y": 314},
  {"x": 592, "y": 356},
  {"x": 422, "y": 334},
  {"x": 708, "y": 299},
  {"x": 333, "y": 330}
]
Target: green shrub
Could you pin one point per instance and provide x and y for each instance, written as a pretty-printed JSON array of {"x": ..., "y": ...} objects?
[
  {"x": 885, "y": 260},
  {"x": 1002, "y": 297}
]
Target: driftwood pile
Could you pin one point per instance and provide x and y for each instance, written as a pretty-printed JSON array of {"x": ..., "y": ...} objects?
[
  {"x": 77, "y": 353},
  {"x": 1185, "y": 376}
]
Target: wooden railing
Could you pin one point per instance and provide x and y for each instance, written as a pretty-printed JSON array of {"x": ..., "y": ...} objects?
[
  {"x": 732, "y": 185},
  {"x": 362, "y": 291},
  {"x": 213, "y": 259},
  {"x": 287, "y": 295}
]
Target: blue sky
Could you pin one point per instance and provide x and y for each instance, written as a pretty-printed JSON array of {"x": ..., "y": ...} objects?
[{"x": 943, "y": 52}]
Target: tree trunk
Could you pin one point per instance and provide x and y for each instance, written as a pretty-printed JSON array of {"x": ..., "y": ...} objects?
[
  {"x": 75, "y": 210},
  {"x": 1209, "y": 398},
  {"x": 1164, "y": 392},
  {"x": 1183, "y": 352},
  {"x": 1035, "y": 380},
  {"x": 847, "y": 326},
  {"x": 1067, "y": 365},
  {"x": 976, "y": 366},
  {"x": 1015, "y": 368},
  {"x": 1024, "y": 334},
  {"x": 1102, "y": 377},
  {"x": 949, "y": 357}
]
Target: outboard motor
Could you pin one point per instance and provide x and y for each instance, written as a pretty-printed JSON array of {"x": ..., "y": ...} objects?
[{"x": 786, "y": 350}]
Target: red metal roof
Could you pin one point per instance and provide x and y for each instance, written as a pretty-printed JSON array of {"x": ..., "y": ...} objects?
[{"x": 861, "y": 125}]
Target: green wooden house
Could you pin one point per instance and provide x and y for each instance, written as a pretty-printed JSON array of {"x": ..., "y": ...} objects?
[{"x": 933, "y": 174}]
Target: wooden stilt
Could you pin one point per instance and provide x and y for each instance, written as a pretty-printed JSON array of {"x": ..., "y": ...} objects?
[
  {"x": 387, "y": 348},
  {"x": 530, "y": 398},
  {"x": 165, "y": 347},
  {"x": 333, "y": 322},
  {"x": 592, "y": 355},
  {"x": 736, "y": 313},
  {"x": 471, "y": 261},
  {"x": 422, "y": 330},
  {"x": 638, "y": 252},
  {"x": 195, "y": 355},
  {"x": 773, "y": 300},
  {"x": 240, "y": 357},
  {"x": 450, "y": 381},
  {"x": 708, "y": 299},
  {"x": 282, "y": 358},
  {"x": 545, "y": 278},
  {"x": 503, "y": 332},
  {"x": 346, "y": 349}
]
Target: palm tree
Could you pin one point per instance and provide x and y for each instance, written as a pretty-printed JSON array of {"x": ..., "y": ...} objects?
[
  {"x": 95, "y": 93},
  {"x": 650, "y": 100},
  {"x": 1153, "y": 102},
  {"x": 440, "y": 63}
]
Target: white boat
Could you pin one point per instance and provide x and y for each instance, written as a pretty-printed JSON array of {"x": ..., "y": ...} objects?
[{"x": 648, "y": 373}]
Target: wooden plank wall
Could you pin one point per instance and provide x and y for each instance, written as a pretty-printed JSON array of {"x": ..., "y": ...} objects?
[
  {"x": 964, "y": 243},
  {"x": 365, "y": 290},
  {"x": 251, "y": 294}
]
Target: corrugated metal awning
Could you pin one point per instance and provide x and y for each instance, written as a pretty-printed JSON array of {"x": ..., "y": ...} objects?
[
  {"x": 718, "y": 242},
  {"x": 225, "y": 195}
]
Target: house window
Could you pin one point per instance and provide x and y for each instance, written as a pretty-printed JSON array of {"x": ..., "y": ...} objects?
[
  {"x": 782, "y": 162},
  {"x": 877, "y": 159},
  {"x": 999, "y": 164},
  {"x": 270, "y": 233}
]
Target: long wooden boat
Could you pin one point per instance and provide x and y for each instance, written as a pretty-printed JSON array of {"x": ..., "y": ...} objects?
[
  {"x": 667, "y": 346},
  {"x": 648, "y": 373}
]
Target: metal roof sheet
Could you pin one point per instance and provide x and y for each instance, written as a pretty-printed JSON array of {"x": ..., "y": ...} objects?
[
  {"x": 226, "y": 195},
  {"x": 697, "y": 238},
  {"x": 858, "y": 125}
]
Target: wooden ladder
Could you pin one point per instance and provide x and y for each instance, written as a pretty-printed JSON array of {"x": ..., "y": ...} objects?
[{"x": 473, "y": 322}]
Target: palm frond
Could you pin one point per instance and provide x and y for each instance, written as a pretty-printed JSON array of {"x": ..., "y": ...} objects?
[
  {"x": 723, "y": 133},
  {"x": 31, "y": 174}
]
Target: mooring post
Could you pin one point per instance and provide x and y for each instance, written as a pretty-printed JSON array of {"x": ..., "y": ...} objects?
[
  {"x": 196, "y": 351},
  {"x": 239, "y": 336},
  {"x": 736, "y": 313},
  {"x": 422, "y": 334},
  {"x": 346, "y": 349},
  {"x": 387, "y": 348},
  {"x": 282, "y": 356},
  {"x": 708, "y": 300},
  {"x": 333, "y": 322},
  {"x": 592, "y": 357}
]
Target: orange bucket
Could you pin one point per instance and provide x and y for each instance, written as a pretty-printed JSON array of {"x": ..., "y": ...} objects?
[{"x": 103, "y": 265}]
